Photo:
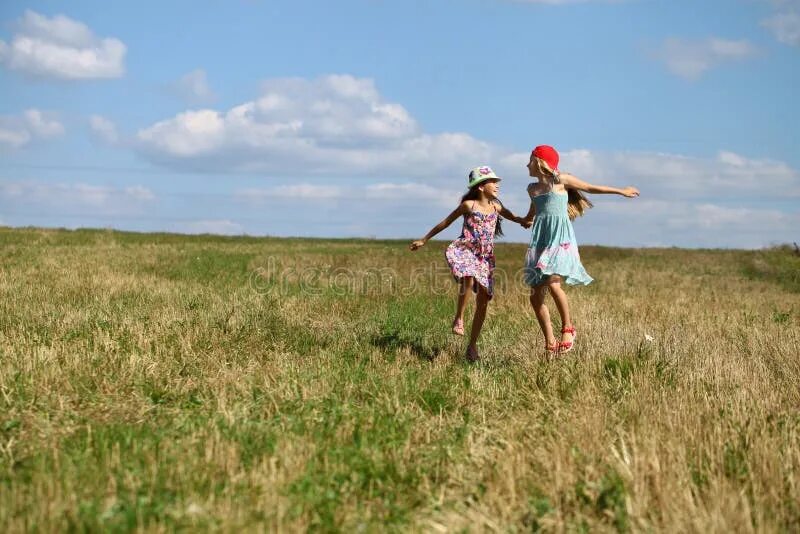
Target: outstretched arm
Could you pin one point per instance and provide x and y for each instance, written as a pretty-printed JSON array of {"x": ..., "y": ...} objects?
[
  {"x": 447, "y": 221},
  {"x": 573, "y": 182},
  {"x": 506, "y": 213}
]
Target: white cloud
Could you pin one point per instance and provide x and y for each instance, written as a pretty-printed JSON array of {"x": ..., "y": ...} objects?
[
  {"x": 728, "y": 200},
  {"x": 103, "y": 129},
  {"x": 11, "y": 136},
  {"x": 785, "y": 26},
  {"x": 707, "y": 216},
  {"x": 422, "y": 193},
  {"x": 750, "y": 192},
  {"x": 69, "y": 198},
  {"x": 63, "y": 48},
  {"x": 41, "y": 126},
  {"x": 382, "y": 191},
  {"x": 374, "y": 155},
  {"x": 658, "y": 222},
  {"x": 138, "y": 192},
  {"x": 691, "y": 59},
  {"x": 335, "y": 143},
  {"x": 411, "y": 209},
  {"x": 728, "y": 176},
  {"x": 297, "y": 191},
  {"x": 730, "y": 158},
  {"x": 210, "y": 226},
  {"x": 334, "y": 125},
  {"x": 339, "y": 126},
  {"x": 18, "y": 130},
  {"x": 193, "y": 88}
]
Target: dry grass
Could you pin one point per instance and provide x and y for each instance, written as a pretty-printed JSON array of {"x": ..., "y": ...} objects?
[{"x": 157, "y": 382}]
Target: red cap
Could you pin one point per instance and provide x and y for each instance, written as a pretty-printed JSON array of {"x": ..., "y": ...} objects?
[{"x": 548, "y": 154}]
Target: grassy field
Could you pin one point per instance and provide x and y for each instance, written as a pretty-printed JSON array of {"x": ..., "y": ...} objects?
[{"x": 154, "y": 382}]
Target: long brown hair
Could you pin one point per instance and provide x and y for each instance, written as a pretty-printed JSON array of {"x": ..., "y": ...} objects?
[
  {"x": 577, "y": 203},
  {"x": 473, "y": 194}
]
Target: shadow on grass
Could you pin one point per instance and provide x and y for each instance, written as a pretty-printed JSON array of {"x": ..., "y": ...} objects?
[{"x": 395, "y": 341}]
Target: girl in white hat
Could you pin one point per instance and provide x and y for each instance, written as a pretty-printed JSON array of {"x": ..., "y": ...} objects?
[{"x": 471, "y": 256}]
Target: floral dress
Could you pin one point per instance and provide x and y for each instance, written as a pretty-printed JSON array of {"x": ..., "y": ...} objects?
[
  {"x": 553, "y": 248},
  {"x": 472, "y": 254}
]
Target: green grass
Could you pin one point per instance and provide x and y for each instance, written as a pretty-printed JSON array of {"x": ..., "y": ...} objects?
[
  {"x": 779, "y": 265},
  {"x": 157, "y": 382}
]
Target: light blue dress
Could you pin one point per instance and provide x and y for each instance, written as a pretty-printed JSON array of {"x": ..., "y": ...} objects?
[{"x": 553, "y": 248}]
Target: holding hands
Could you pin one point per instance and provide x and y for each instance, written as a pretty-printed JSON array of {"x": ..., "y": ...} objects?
[{"x": 522, "y": 221}]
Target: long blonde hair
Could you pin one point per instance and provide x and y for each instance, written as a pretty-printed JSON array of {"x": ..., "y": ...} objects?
[{"x": 577, "y": 203}]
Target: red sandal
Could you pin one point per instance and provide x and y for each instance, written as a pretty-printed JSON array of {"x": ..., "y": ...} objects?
[
  {"x": 553, "y": 348},
  {"x": 567, "y": 346}
]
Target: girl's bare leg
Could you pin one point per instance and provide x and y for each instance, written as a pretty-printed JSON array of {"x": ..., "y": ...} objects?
[
  {"x": 481, "y": 303},
  {"x": 560, "y": 298},
  {"x": 538, "y": 294},
  {"x": 464, "y": 289}
]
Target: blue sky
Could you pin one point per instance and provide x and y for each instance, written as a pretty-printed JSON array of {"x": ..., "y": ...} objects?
[{"x": 362, "y": 118}]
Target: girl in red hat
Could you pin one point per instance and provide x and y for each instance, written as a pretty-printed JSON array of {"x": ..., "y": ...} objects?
[
  {"x": 552, "y": 258},
  {"x": 471, "y": 256}
]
